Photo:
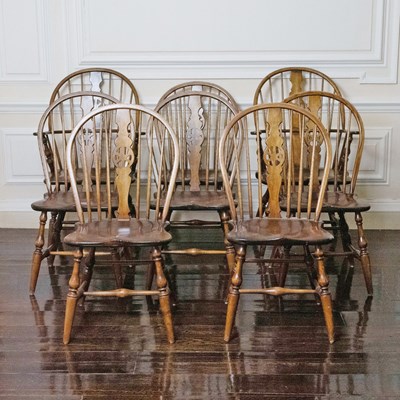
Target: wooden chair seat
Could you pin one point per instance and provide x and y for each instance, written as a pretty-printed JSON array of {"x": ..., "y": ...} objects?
[
  {"x": 279, "y": 231},
  {"x": 64, "y": 202},
  {"x": 337, "y": 201},
  {"x": 212, "y": 200},
  {"x": 115, "y": 233}
]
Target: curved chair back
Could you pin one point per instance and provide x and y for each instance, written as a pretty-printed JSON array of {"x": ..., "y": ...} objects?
[
  {"x": 284, "y": 82},
  {"x": 102, "y": 80},
  {"x": 346, "y": 130},
  {"x": 55, "y": 128},
  {"x": 274, "y": 125},
  {"x": 120, "y": 127},
  {"x": 198, "y": 118}
]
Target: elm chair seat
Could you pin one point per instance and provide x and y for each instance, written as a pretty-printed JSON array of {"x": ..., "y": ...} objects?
[
  {"x": 64, "y": 202},
  {"x": 134, "y": 225},
  {"x": 201, "y": 201},
  {"x": 277, "y": 231},
  {"x": 114, "y": 233},
  {"x": 260, "y": 223}
]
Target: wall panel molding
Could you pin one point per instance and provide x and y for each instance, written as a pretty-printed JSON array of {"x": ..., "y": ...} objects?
[
  {"x": 20, "y": 156},
  {"x": 365, "y": 46},
  {"x": 24, "y": 41}
]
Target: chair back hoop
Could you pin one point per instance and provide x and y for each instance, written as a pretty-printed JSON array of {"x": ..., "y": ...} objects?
[
  {"x": 343, "y": 124},
  {"x": 123, "y": 131},
  {"x": 68, "y": 113},
  {"x": 198, "y": 118},
  {"x": 202, "y": 86},
  {"x": 274, "y": 88},
  {"x": 102, "y": 80},
  {"x": 284, "y": 181}
]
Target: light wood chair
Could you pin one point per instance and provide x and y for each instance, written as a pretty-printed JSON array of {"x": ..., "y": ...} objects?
[
  {"x": 141, "y": 227},
  {"x": 198, "y": 118},
  {"x": 284, "y": 82},
  {"x": 274, "y": 124},
  {"x": 53, "y": 133},
  {"x": 101, "y": 80},
  {"x": 346, "y": 130}
]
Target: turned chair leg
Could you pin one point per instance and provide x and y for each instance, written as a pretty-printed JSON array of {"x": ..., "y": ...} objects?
[
  {"x": 54, "y": 236},
  {"x": 37, "y": 256},
  {"x": 364, "y": 254},
  {"x": 74, "y": 293},
  {"x": 230, "y": 250},
  {"x": 326, "y": 299},
  {"x": 164, "y": 296},
  {"x": 234, "y": 292}
]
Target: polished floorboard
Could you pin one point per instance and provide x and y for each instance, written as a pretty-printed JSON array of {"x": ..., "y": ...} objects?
[{"x": 119, "y": 349}]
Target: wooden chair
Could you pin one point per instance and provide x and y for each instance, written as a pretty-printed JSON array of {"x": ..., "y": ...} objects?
[
  {"x": 271, "y": 227},
  {"x": 101, "y": 80},
  {"x": 198, "y": 118},
  {"x": 202, "y": 86},
  {"x": 284, "y": 82},
  {"x": 53, "y": 132},
  {"x": 118, "y": 126},
  {"x": 346, "y": 130}
]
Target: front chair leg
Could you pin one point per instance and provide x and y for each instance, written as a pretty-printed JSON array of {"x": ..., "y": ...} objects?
[
  {"x": 234, "y": 292},
  {"x": 73, "y": 296},
  {"x": 164, "y": 296},
  {"x": 323, "y": 290}
]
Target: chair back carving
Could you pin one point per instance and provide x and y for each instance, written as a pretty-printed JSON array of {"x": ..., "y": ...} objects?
[
  {"x": 54, "y": 130},
  {"x": 157, "y": 152},
  {"x": 198, "y": 118},
  {"x": 274, "y": 126},
  {"x": 346, "y": 130}
]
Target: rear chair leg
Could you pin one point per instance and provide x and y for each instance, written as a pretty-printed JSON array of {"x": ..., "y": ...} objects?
[
  {"x": 38, "y": 253},
  {"x": 364, "y": 254}
]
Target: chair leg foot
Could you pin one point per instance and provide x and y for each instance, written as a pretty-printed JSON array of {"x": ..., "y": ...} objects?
[
  {"x": 69, "y": 317},
  {"x": 165, "y": 306},
  {"x": 233, "y": 300}
]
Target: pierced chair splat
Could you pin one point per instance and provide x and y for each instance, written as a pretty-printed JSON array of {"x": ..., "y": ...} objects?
[
  {"x": 53, "y": 132},
  {"x": 346, "y": 129},
  {"x": 118, "y": 125},
  {"x": 198, "y": 118},
  {"x": 272, "y": 226}
]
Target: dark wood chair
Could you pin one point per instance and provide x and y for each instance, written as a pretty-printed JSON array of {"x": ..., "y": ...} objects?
[
  {"x": 101, "y": 80},
  {"x": 346, "y": 130},
  {"x": 53, "y": 132},
  {"x": 198, "y": 118},
  {"x": 272, "y": 226},
  {"x": 141, "y": 227}
]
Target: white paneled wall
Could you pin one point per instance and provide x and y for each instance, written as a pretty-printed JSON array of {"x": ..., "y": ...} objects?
[{"x": 231, "y": 42}]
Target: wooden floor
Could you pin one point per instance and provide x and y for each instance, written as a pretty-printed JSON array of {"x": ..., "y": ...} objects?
[{"x": 119, "y": 349}]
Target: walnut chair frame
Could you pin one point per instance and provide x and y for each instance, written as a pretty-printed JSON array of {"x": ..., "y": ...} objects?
[
  {"x": 101, "y": 80},
  {"x": 198, "y": 118},
  {"x": 120, "y": 126},
  {"x": 53, "y": 132},
  {"x": 346, "y": 129},
  {"x": 270, "y": 227}
]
